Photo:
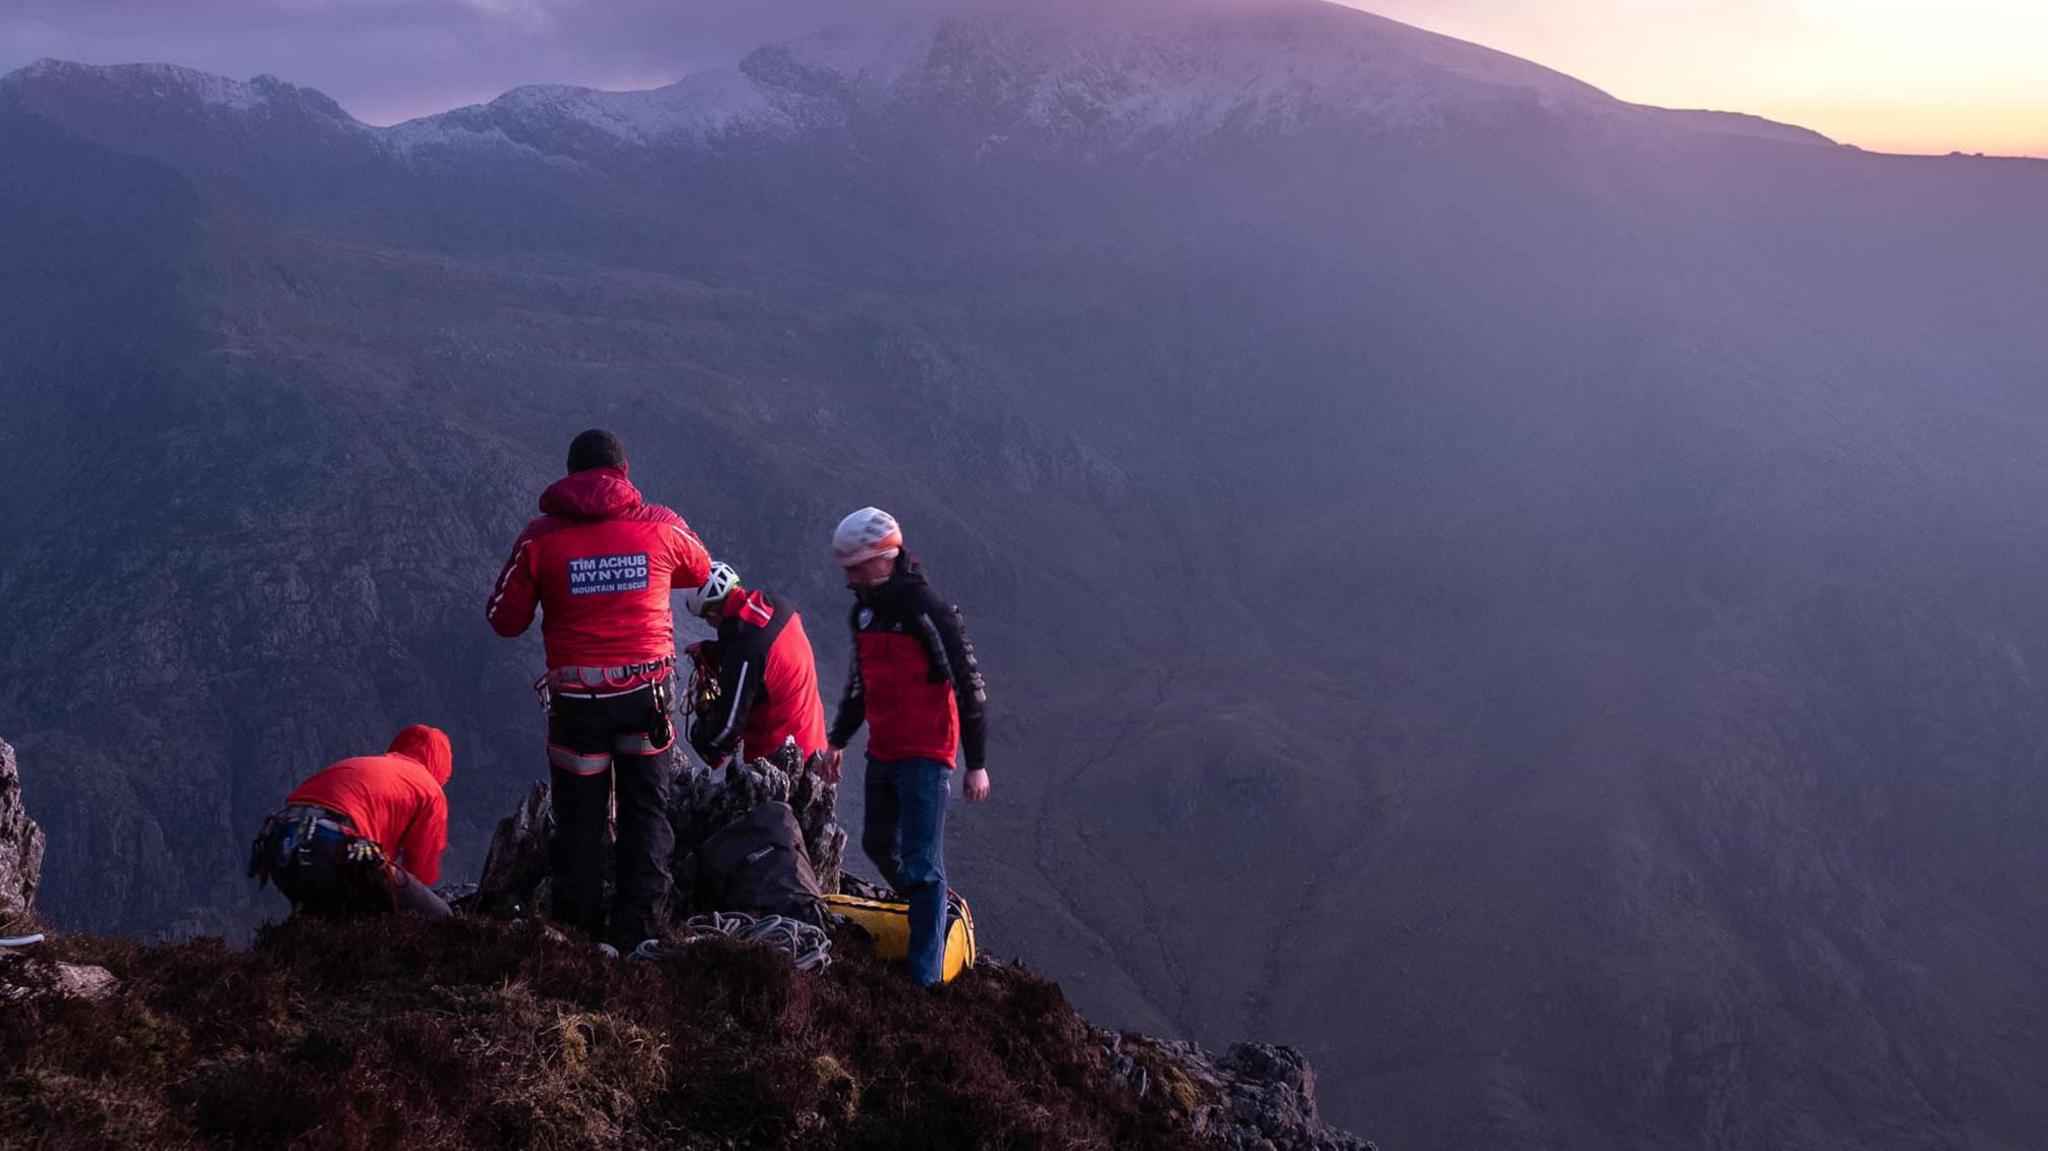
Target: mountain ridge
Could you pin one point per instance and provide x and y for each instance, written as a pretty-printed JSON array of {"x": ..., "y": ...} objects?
[{"x": 1139, "y": 79}]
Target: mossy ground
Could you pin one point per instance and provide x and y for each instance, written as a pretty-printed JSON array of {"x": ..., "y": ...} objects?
[{"x": 477, "y": 1034}]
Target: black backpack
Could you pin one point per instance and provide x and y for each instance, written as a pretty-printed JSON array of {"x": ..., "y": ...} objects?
[{"x": 757, "y": 864}]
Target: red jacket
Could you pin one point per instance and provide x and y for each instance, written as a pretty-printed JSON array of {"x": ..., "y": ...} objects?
[
  {"x": 599, "y": 564},
  {"x": 768, "y": 682},
  {"x": 915, "y": 681},
  {"x": 394, "y": 798}
]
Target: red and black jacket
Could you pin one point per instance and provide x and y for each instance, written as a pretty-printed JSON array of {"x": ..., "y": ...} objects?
[
  {"x": 599, "y": 563},
  {"x": 767, "y": 680},
  {"x": 914, "y": 681}
]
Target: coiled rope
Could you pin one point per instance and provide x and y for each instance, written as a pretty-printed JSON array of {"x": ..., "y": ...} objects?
[{"x": 807, "y": 944}]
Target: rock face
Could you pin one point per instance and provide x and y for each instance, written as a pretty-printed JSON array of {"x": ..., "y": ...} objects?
[
  {"x": 701, "y": 801},
  {"x": 518, "y": 861},
  {"x": 21, "y": 850},
  {"x": 24, "y": 976},
  {"x": 1256, "y": 1097}
]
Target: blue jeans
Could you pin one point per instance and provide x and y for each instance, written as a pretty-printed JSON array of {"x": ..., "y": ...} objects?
[{"x": 904, "y": 838}]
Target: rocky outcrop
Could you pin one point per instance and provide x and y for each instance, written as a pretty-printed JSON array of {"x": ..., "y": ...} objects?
[
  {"x": 517, "y": 863},
  {"x": 21, "y": 850},
  {"x": 701, "y": 801},
  {"x": 1256, "y": 1097},
  {"x": 25, "y": 977},
  {"x": 514, "y": 880}
]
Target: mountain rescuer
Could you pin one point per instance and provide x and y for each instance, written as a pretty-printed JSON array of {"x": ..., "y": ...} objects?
[
  {"x": 365, "y": 835},
  {"x": 915, "y": 683},
  {"x": 599, "y": 563},
  {"x": 767, "y": 682}
]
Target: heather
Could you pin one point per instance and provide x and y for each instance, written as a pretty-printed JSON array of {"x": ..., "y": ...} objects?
[{"x": 474, "y": 1033}]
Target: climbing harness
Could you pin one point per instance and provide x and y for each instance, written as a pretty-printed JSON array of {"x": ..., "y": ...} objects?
[
  {"x": 591, "y": 682},
  {"x": 301, "y": 823}
]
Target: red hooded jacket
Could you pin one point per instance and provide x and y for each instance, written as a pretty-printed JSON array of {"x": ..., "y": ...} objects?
[
  {"x": 394, "y": 798},
  {"x": 599, "y": 564}
]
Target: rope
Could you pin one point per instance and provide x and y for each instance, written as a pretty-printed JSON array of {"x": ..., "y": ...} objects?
[{"x": 807, "y": 944}]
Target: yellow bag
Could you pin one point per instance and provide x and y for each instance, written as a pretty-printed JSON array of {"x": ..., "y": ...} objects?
[{"x": 887, "y": 921}]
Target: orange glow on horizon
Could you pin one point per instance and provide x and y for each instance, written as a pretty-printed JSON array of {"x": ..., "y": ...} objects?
[{"x": 1884, "y": 75}]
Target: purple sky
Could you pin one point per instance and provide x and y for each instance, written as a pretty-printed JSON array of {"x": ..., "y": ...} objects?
[{"x": 1887, "y": 74}]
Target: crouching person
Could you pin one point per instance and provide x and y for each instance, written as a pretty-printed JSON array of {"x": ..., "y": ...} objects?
[{"x": 365, "y": 836}]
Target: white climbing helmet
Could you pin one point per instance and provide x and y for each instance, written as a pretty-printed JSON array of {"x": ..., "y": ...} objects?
[
  {"x": 716, "y": 587},
  {"x": 866, "y": 534}
]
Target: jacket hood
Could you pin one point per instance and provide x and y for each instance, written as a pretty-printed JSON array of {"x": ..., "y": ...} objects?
[
  {"x": 427, "y": 746},
  {"x": 591, "y": 494}
]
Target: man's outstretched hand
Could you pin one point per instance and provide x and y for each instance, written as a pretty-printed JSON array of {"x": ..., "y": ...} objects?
[
  {"x": 830, "y": 767},
  {"x": 976, "y": 787}
]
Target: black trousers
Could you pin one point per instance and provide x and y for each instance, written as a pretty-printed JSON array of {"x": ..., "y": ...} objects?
[
  {"x": 598, "y": 748},
  {"x": 322, "y": 881}
]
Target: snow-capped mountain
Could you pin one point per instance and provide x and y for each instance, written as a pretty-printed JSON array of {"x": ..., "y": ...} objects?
[
  {"x": 1117, "y": 84},
  {"x": 91, "y": 95}
]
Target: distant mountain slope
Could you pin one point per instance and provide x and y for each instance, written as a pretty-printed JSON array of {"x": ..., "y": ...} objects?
[{"x": 1530, "y": 598}]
